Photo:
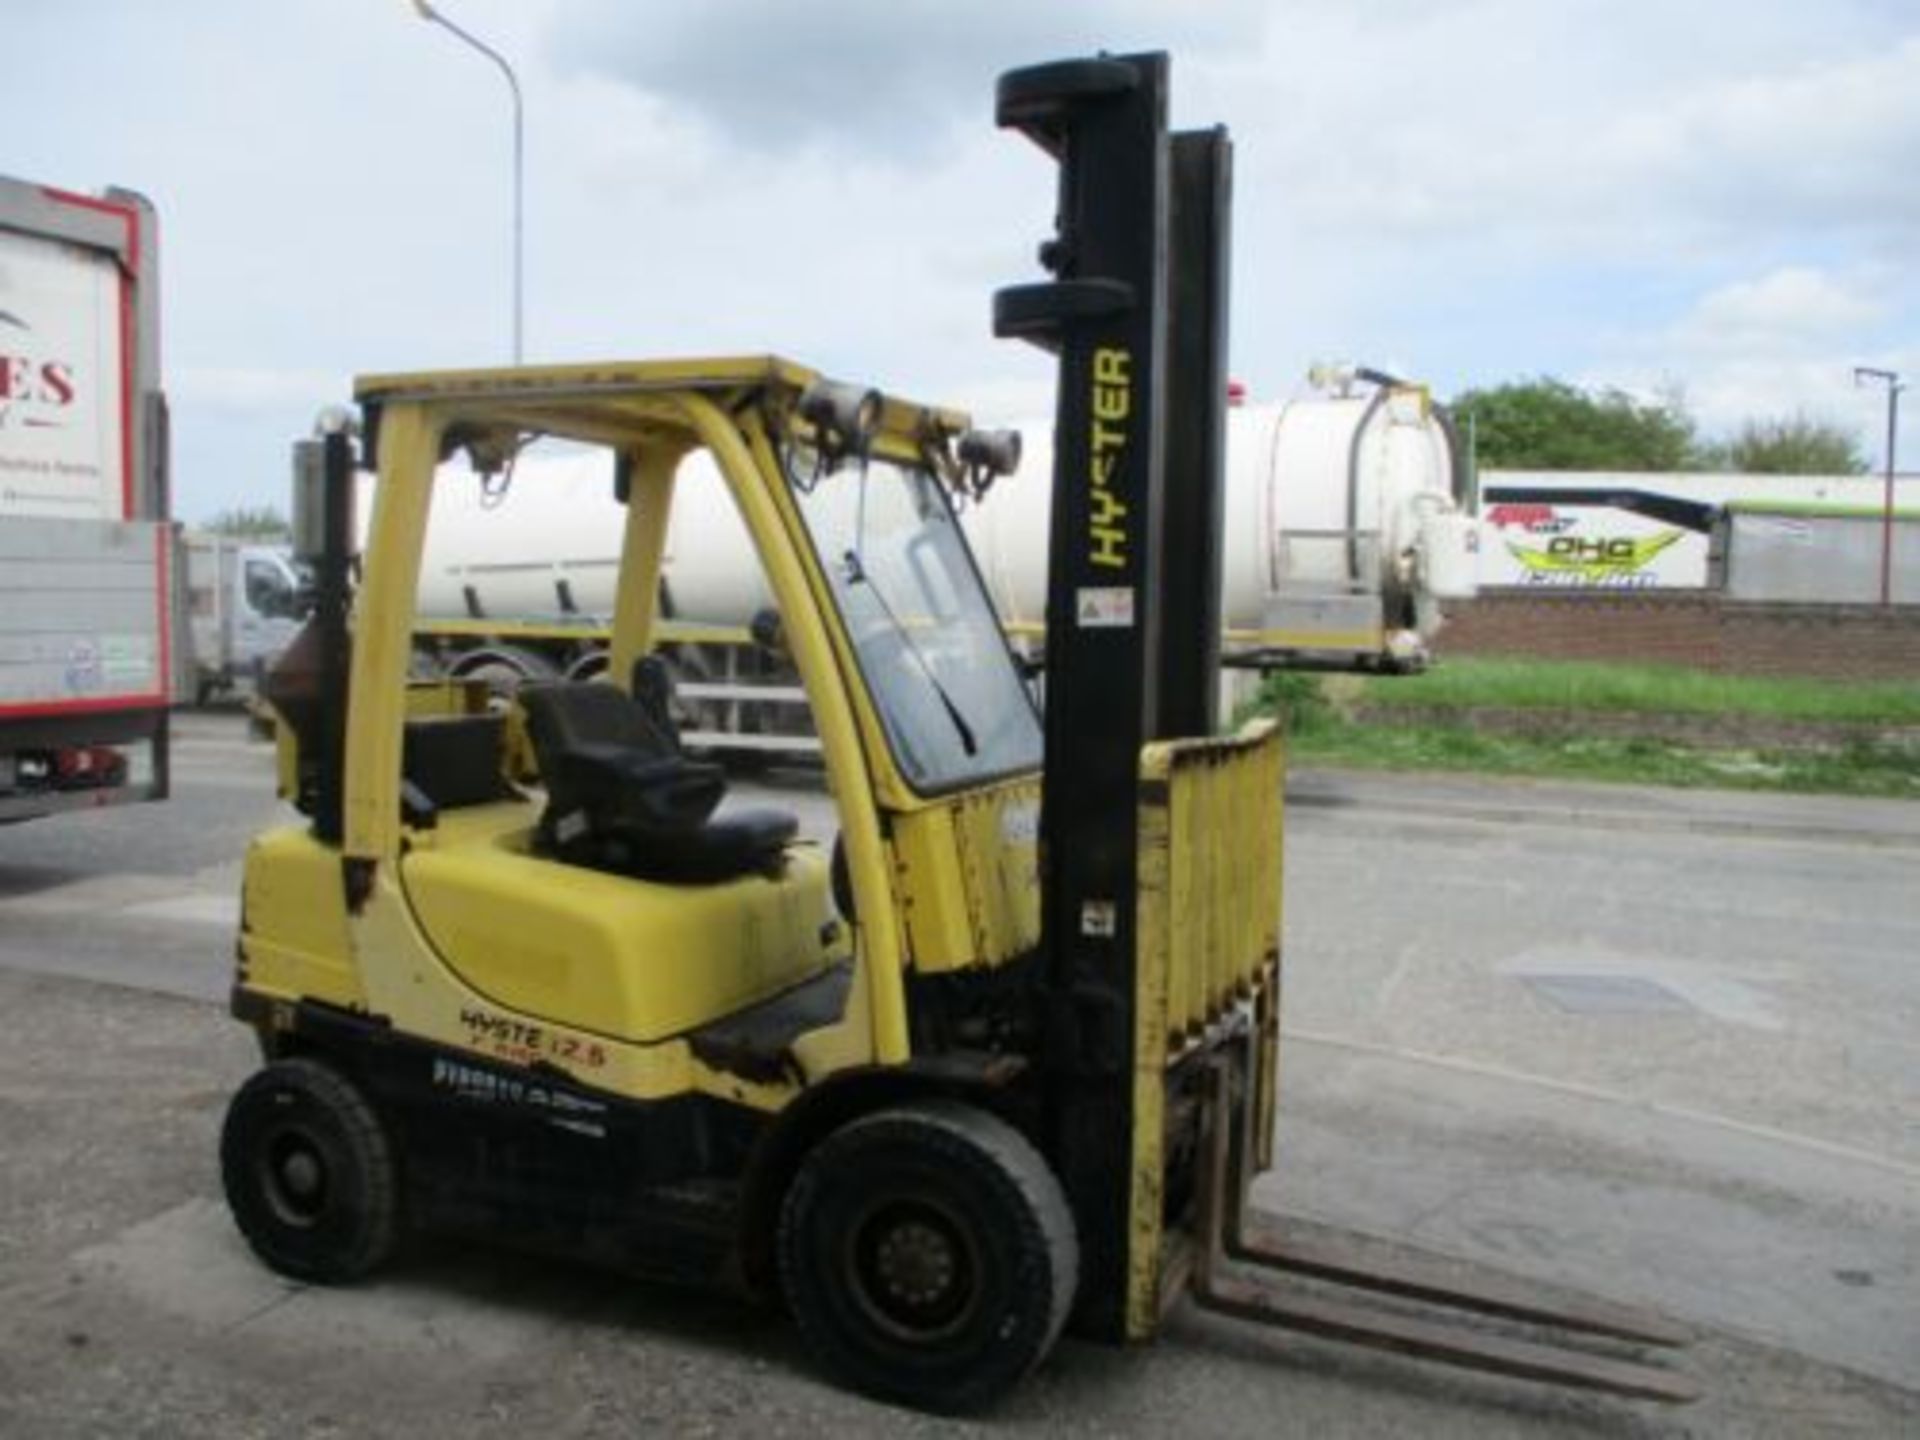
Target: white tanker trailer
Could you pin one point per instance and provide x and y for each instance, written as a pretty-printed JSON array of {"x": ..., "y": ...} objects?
[{"x": 1347, "y": 523}]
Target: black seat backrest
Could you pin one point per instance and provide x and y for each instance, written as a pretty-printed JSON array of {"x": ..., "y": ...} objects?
[
  {"x": 608, "y": 769},
  {"x": 568, "y": 716},
  {"x": 652, "y": 691},
  {"x": 621, "y": 796}
]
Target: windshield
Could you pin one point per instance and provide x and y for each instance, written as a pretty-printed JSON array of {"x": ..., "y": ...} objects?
[
  {"x": 929, "y": 644},
  {"x": 270, "y": 589}
]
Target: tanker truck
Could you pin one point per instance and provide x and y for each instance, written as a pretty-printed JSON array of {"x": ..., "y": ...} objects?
[{"x": 1348, "y": 523}]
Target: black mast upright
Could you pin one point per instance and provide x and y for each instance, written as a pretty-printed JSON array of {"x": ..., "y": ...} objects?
[
  {"x": 1105, "y": 121},
  {"x": 1193, "y": 515},
  {"x": 1133, "y": 567}
]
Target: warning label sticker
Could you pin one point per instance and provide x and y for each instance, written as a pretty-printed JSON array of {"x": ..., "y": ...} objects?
[
  {"x": 1099, "y": 919},
  {"x": 1104, "y": 607}
]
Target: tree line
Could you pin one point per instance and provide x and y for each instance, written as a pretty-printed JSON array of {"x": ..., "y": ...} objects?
[
  {"x": 263, "y": 523},
  {"x": 1547, "y": 424}
]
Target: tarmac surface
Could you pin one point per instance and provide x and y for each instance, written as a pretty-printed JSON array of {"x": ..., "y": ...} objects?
[{"x": 1659, "y": 1045}]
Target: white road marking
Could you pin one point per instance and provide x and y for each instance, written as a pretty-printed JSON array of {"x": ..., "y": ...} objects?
[
  {"x": 222, "y": 910},
  {"x": 1687, "y": 1115},
  {"x": 211, "y": 898}
]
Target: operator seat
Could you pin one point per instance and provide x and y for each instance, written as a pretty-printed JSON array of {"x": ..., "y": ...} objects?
[{"x": 622, "y": 797}]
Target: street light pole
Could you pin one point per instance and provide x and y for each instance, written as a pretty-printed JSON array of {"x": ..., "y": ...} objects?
[
  {"x": 1891, "y": 379},
  {"x": 427, "y": 12}
]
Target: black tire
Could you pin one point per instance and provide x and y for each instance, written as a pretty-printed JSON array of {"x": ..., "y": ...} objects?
[
  {"x": 503, "y": 669},
  {"x": 309, "y": 1173},
  {"x": 928, "y": 1256}
]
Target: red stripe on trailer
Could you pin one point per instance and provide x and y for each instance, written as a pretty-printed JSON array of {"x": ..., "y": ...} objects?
[
  {"x": 129, "y": 272},
  {"x": 98, "y": 706},
  {"x": 126, "y": 392},
  {"x": 106, "y": 207}
]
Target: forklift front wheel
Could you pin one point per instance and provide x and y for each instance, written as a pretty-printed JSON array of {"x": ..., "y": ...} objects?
[
  {"x": 928, "y": 1255},
  {"x": 309, "y": 1173}
]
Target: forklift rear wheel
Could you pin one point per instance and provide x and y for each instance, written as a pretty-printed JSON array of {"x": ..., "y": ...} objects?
[
  {"x": 928, "y": 1255},
  {"x": 309, "y": 1173}
]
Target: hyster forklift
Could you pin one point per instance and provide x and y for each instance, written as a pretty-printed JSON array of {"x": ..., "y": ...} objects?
[{"x": 1001, "y": 1056}]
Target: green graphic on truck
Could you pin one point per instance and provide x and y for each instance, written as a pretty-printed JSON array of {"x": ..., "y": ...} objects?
[{"x": 1578, "y": 560}]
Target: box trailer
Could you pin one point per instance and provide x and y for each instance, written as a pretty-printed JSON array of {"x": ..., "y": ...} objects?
[
  {"x": 1813, "y": 553},
  {"x": 88, "y": 573}
]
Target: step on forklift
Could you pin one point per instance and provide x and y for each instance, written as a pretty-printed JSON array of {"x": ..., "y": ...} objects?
[{"x": 997, "y": 1060}]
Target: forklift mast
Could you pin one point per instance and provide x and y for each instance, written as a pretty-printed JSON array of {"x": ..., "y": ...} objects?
[
  {"x": 1136, "y": 313},
  {"x": 1160, "y": 854}
]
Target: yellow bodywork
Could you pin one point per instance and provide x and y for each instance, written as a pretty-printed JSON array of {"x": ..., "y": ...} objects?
[
  {"x": 970, "y": 877},
  {"x": 1208, "y": 959},
  {"x": 294, "y": 939},
  {"x": 300, "y": 943},
  {"x": 625, "y": 958},
  {"x": 461, "y": 936},
  {"x": 486, "y": 947}
]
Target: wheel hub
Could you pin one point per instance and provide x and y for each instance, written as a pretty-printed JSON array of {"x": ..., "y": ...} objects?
[
  {"x": 915, "y": 1263},
  {"x": 300, "y": 1173},
  {"x": 294, "y": 1178},
  {"x": 913, "y": 1270}
]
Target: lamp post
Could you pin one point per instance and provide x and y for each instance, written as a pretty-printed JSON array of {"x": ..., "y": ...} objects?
[
  {"x": 427, "y": 12},
  {"x": 1891, "y": 379}
]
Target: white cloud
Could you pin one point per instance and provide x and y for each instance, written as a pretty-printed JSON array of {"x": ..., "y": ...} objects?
[
  {"x": 869, "y": 77},
  {"x": 1792, "y": 310},
  {"x": 1636, "y": 130},
  {"x": 1816, "y": 146},
  {"x": 1779, "y": 345}
]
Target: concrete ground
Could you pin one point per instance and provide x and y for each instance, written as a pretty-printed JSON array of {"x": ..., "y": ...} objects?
[{"x": 1658, "y": 1045}]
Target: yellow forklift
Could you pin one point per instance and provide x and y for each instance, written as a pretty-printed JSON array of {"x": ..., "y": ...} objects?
[{"x": 997, "y": 1058}]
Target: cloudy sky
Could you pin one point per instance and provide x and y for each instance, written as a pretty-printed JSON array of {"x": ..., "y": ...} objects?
[{"x": 1721, "y": 196}]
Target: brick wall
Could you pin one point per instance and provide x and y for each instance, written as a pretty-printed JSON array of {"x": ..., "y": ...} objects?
[{"x": 1691, "y": 628}]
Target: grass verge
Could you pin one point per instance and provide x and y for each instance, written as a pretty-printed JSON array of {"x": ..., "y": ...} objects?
[
  {"x": 1470, "y": 682},
  {"x": 1316, "y": 713},
  {"x": 1855, "y": 770}
]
